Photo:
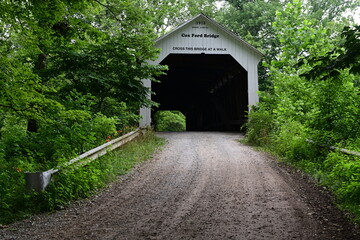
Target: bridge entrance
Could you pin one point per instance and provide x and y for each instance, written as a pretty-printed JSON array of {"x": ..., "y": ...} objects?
[
  {"x": 212, "y": 77},
  {"x": 209, "y": 89}
]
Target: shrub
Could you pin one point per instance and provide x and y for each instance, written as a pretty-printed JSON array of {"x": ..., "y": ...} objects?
[
  {"x": 68, "y": 134},
  {"x": 344, "y": 176},
  {"x": 259, "y": 127},
  {"x": 290, "y": 142},
  {"x": 172, "y": 121}
]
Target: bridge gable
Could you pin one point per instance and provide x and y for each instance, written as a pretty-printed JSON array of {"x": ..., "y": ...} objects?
[{"x": 202, "y": 35}]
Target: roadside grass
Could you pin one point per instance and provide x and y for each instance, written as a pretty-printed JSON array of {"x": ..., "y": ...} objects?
[
  {"x": 334, "y": 170},
  {"x": 79, "y": 182}
]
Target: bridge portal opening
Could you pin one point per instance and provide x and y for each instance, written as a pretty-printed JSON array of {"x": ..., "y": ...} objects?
[{"x": 211, "y": 90}]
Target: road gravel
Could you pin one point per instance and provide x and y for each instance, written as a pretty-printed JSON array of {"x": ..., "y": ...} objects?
[{"x": 201, "y": 185}]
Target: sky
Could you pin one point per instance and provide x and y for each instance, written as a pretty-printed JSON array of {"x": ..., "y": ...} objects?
[{"x": 356, "y": 15}]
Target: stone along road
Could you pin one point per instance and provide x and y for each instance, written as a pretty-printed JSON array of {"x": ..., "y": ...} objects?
[{"x": 200, "y": 186}]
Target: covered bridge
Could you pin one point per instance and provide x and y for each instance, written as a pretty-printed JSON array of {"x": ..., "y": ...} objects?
[{"x": 212, "y": 76}]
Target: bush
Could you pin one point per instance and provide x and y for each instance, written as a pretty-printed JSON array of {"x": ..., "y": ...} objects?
[
  {"x": 344, "y": 176},
  {"x": 259, "y": 127},
  {"x": 172, "y": 121},
  {"x": 290, "y": 142},
  {"x": 68, "y": 134}
]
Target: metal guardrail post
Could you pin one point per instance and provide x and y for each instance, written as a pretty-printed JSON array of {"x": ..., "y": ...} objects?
[{"x": 38, "y": 181}]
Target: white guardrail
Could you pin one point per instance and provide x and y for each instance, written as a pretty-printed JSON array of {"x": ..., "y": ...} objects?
[{"x": 38, "y": 181}]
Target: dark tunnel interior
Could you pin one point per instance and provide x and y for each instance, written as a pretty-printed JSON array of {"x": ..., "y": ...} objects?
[{"x": 209, "y": 89}]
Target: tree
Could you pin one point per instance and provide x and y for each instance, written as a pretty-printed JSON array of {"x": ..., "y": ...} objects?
[
  {"x": 170, "y": 13},
  {"x": 329, "y": 10},
  {"x": 253, "y": 21},
  {"x": 99, "y": 48},
  {"x": 68, "y": 66},
  {"x": 345, "y": 55},
  {"x": 112, "y": 63},
  {"x": 326, "y": 104}
]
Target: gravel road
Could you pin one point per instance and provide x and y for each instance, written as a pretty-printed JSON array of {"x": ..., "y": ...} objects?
[{"x": 200, "y": 186}]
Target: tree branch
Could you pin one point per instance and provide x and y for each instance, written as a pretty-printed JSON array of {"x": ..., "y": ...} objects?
[{"x": 108, "y": 8}]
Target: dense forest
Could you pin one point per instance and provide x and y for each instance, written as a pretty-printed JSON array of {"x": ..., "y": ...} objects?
[{"x": 71, "y": 74}]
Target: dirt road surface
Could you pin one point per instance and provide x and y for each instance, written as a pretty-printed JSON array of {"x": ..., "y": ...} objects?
[{"x": 200, "y": 186}]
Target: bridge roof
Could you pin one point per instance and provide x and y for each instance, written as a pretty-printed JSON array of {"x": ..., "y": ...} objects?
[{"x": 217, "y": 25}]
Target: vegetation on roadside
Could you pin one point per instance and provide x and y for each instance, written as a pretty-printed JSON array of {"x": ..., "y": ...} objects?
[
  {"x": 74, "y": 182},
  {"x": 312, "y": 101}
]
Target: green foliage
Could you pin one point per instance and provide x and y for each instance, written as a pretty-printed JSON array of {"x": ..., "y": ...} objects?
[
  {"x": 314, "y": 95},
  {"x": 346, "y": 55},
  {"x": 73, "y": 183},
  {"x": 254, "y": 21},
  {"x": 259, "y": 127},
  {"x": 70, "y": 75},
  {"x": 168, "y": 14},
  {"x": 318, "y": 105},
  {"x": 251, "y": 20},
  {"x": 291, "y": 143},
  {"x": 65, "y": 135},
  {"x": 344, "y": 177},
  {"x": 173, "y": 121}
]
